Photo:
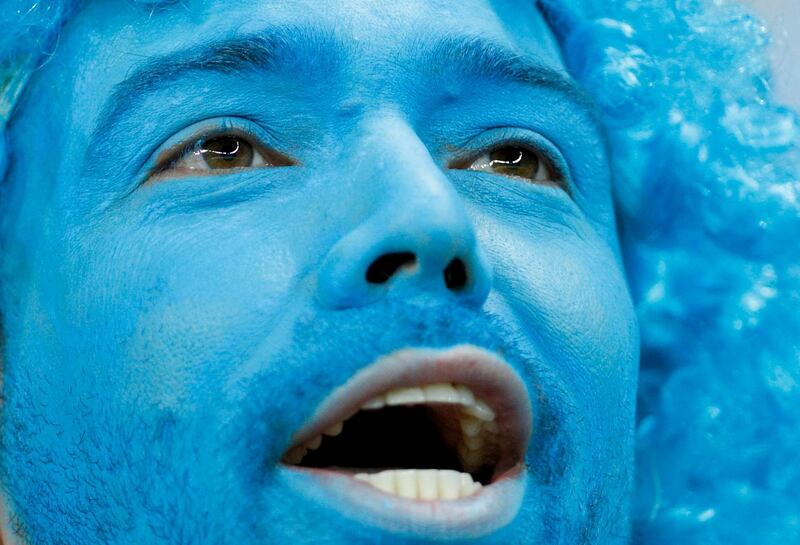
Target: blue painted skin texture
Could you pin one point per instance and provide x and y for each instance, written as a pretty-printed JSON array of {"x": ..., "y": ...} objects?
[
  {"x": 165, "y": 337},
  {"x": 704, "y": 169}
]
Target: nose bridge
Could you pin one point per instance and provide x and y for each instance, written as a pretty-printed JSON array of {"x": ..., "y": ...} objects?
[
  {"x": 417, "y": 235},
  {"x": 419, "y": 203}
]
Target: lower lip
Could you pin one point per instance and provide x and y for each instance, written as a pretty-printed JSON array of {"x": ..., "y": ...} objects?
[{"x": 483, "y": 513}]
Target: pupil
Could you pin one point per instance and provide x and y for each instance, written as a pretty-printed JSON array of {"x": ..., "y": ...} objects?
[
  {"x": 227, "y": 152},
  {"x": 508, "y": 156},
  {"x": 514, "y": 161}
]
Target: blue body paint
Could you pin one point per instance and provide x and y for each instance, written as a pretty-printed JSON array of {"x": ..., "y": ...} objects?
[{"x": 165, "y": 338}]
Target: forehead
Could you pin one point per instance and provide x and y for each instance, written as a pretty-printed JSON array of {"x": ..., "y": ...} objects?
[
  {"x": 110, "y": 39},
  {"x": 365, "y": 21}
]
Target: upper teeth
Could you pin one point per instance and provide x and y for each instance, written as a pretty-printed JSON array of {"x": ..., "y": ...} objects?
[
  {"x": 431, "y": 393},
  {"x": 477, "y": 441}
]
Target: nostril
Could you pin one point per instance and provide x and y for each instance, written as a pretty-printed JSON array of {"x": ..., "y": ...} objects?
[
  {"x": 455, "y": 275},
  {"x": 383, "y": 268}
]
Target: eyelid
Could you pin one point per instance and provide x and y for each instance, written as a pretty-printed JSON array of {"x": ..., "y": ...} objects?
[
  {"x": 186, "y": 140},
  {"x": 510, "y": 136}
]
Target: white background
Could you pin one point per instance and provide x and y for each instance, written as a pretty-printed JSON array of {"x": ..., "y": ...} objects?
[{"x": 783, "y": 19}]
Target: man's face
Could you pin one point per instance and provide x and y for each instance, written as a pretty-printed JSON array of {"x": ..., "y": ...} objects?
[{"x": 233, "y": 226}]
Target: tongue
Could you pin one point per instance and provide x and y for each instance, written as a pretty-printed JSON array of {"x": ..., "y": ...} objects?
[{"x": 423, "y": 484}]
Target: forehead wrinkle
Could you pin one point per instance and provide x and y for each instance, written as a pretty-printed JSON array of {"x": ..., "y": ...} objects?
[{"x": 267, "y": 50}]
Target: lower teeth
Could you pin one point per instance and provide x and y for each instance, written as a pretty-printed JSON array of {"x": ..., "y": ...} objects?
[{"x": 423, "y": 484}]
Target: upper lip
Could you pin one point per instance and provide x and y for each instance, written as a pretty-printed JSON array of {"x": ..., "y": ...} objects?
[{"x": 490, "y": 379}]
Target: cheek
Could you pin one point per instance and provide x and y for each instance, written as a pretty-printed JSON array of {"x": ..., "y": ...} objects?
[
  {"x": 176, "y": 305},
  {"x": 567, "y": 292}
]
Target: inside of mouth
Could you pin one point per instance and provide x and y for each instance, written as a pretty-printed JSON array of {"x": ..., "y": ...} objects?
[
  {"x": 429, "y": 442},
  {"x": 406, "y": 437}
]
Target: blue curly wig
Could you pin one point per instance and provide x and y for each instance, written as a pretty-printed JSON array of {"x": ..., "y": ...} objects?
[{"x": 708, "y": 197}]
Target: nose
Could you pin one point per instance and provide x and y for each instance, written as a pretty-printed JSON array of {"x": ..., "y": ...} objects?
[
  {"x": 388, "y": 265},
  {"x": 415, "y": 236}
]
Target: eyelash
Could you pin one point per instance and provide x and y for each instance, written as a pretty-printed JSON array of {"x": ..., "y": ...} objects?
[
  {"x": 236, "y": 127},
  {"x": 172, "y": 157}
]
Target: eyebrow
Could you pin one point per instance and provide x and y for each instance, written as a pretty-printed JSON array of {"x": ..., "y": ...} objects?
[
  {"x": 308, "y": 49},
  {"x": 267, "y": 50},
  {"x": 490, "y": 60}
]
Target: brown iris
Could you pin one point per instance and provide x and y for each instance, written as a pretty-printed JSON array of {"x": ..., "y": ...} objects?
[
  {"x": 514, "y": 161},
  {"x": 226, "y": 152}
]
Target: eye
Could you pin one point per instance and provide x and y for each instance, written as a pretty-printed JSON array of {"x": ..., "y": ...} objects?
[
  {"x": 227, "y": 152},
  {"x": 216, "y": 155},
  {"x": 515, "y": 161}
]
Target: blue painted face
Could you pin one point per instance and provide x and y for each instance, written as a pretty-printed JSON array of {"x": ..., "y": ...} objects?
[{"x": 219, "y": 213}]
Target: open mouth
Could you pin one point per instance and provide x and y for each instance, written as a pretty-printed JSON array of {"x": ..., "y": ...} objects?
[{"x": 423, "y": 425}]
